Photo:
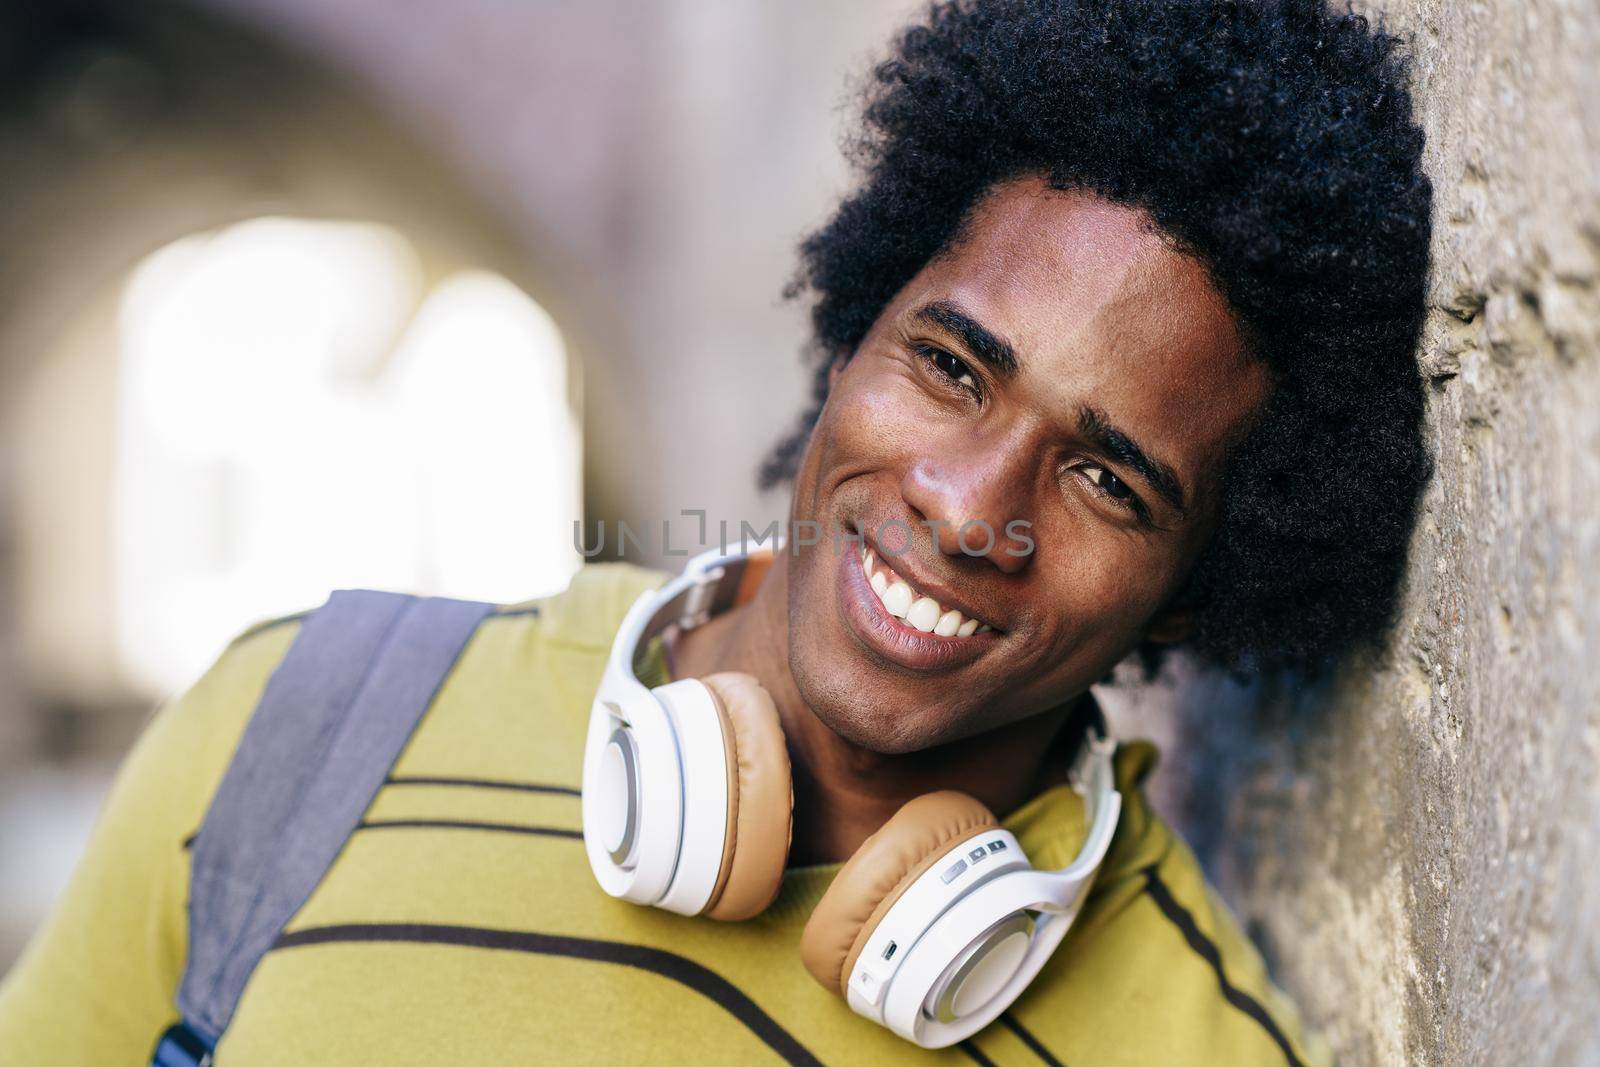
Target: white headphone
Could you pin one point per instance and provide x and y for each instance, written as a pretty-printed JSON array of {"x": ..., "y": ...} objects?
[{"x": 934, "y": 926}]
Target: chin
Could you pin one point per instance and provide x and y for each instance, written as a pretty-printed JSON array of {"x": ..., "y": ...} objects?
[
  {"x": 868, "y": 730},
  {"x": 868, "y": 705},
  {"x": 869, "y": 722}
]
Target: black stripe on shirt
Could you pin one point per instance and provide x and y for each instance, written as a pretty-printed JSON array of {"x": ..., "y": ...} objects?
[
  {"x": 1028, "y": 1039},
  {"x": 1207, "y": 950},
  {"x": 975, "y": 1054},
  {"x": 480, "y": 783},
  {"x": 657, "y": 961},
  {"x": 464, "y": 824},
  {"x": 442, "y": 824}
]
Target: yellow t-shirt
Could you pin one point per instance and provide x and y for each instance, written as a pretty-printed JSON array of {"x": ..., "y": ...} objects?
[{"x": 461, "y": 923}]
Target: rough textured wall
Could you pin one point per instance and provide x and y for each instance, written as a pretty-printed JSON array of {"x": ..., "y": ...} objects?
[{"x": 1414, "y": 843}]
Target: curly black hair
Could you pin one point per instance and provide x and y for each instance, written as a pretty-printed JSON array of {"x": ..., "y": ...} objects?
[{"x": 1270, "y": 139}]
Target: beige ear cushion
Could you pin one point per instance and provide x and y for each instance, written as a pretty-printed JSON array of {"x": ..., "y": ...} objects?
[
  {"x": 760, "y": 798},
  {"x": 883, "y": 868}
]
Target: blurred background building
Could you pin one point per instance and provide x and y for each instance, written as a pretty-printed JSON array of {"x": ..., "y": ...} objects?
[{"x": 297, "y": 295}]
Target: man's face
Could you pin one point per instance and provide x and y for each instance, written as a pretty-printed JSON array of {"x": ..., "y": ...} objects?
[{"x": 1062, "y": 374}]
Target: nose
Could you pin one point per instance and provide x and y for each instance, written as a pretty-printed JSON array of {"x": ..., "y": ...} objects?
[{"x": 976, "y": 502}]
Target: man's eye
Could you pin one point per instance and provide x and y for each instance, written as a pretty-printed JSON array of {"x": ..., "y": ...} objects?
[
  {"x": 1109, "y": 483},
  {"x": 951, "y": 367}
]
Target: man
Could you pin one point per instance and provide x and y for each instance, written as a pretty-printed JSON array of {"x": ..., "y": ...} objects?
[{"x": 1119, "y": 329}]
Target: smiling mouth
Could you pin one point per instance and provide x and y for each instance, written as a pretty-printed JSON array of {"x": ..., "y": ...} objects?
[
  {"x": 905, "y": 602},
  {"x": 890, "y": 638}
]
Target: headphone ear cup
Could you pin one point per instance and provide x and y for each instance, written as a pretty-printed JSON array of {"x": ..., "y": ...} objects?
[
  {"x": 760, "y": 798},
  {"x": 885, "y": 865}
]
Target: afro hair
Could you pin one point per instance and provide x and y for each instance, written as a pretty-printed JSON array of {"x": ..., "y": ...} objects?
[{"x": 1270, "y": 139}]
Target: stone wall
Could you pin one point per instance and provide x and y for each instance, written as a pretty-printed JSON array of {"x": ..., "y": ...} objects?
[{"x": 1414, "y": 843}]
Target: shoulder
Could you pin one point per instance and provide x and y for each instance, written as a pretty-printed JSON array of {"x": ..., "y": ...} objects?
[
  {"x": 167, "y": 779},
  {"x": 515, "y": 706},
  {"x": 588, "y": 612},
  {"x": 199, "y": 729},
  {"x": 550, "y": 643},
  {"x": 560, "y": 637},
  {"x": 1156, "y": 963},
  {"x": 547, "y": 650}
]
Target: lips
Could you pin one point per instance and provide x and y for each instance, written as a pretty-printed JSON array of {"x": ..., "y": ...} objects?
[
  {"x": 904, "y": 601},
  {"x": 891, "y": 638}
]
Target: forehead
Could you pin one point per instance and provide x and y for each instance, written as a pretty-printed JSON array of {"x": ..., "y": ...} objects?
[{"x": 1102, "y": 309}]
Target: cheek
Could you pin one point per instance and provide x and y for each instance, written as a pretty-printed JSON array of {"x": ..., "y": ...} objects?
[
  {"x": 1105, "y": 583},
  {"x": 862, "y": 429},
  {"x": 868, "y": 418}
]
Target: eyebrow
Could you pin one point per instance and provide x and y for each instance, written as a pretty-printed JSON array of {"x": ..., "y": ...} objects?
[
  {"x": 978, "y": 339},
  {"x": 1092, "y": 422}
]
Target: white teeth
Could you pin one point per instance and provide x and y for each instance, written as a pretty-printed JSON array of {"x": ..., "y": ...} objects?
[
  {"x": 924, "y": 614},
  {"x": 897, "y": 599},
  {"x": 921, "y": 612}
]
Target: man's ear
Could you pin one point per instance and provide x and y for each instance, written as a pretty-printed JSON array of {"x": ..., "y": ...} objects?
[{"x": 1172, "y": 624}]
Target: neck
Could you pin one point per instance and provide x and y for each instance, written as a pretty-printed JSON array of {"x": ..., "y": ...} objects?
[{"x": 842, "y": 791}]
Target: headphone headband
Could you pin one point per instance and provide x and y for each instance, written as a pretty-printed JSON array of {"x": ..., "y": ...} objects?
[{"x": 710, "y": 584}]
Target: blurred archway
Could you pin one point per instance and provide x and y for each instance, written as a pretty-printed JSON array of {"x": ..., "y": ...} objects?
[
  {"x": 295, "y": 405},
  {"x": 257, "y": 340}
]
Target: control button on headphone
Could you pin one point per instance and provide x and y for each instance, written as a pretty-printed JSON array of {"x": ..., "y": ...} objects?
[
  {"x": 982, "y": 969},
  {"x": 619, "y": 796}
]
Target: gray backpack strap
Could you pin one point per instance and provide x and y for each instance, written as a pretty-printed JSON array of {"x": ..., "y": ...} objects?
[{"x": 330, "y": 725}]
